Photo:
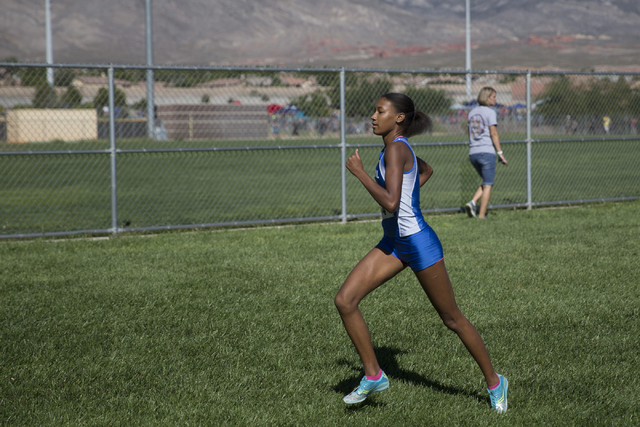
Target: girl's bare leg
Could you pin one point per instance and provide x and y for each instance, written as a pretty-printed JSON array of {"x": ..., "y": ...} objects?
[
  {"x": 435, "y": 282},
  {"x": 372, "y": 271},
  {"x": 477, "y": 195},
  {"x": 484, "y": 200}
]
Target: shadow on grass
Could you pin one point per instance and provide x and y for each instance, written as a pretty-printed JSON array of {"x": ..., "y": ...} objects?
[{"x": 387, "y": 359}]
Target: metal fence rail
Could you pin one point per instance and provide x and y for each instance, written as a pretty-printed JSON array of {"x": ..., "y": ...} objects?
[{"x": 230, "y": 146}]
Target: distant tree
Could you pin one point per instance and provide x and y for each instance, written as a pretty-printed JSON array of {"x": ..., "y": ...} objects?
[
  {"x": 361, "y": 93},
  {"x": 33, "y": 77},
  {"x": 140, "y": 105},
  {"x": 328, "y": 79},
  {"x": 277, "y": 82},
  {"x": 102, "y": 99},
  {"x": 63, "y": 77},
  {"x": 628, "y": 99},
  {"x": 190, "y": 78},
  {"x": 12, "y": 70},
  {"x": 133, "y": 76},
  {"x": 508, "y": 78},
  {"x": 181, "y": 78},
  {"x": 72, "y": 98},
  {"x": 45, "y": 96},
  {"x": 428, "y": 100},
  {"x": 37, "y": 76},
  {"x": 595, "y": 97},
  {"x": 315, "y": 104}
]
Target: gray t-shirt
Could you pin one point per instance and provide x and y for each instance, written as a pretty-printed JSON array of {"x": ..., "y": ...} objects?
[{"x": 480, "y": 119}]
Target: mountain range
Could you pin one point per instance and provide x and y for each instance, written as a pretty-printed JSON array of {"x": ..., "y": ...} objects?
[{"x": 425, "y": 34}]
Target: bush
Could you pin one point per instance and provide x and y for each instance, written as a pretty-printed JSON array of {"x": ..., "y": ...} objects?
[
  {"x": 190, "y": 78},
  {"x": 140, "y": 105},
  {"x": 361, "y": 94},
  {"x": 63, "y": 77},
  {"x": 315, "y": 104},
  {"x": 45, "y": 96},
  {"x": 102, "y": 99},
  {"x": 34, "y": 77},
  {"x": 563, "y": 96},
  {"x": 508, "y": 78},
  {"x": 431, "y": 101},
  {"x": 72, "y": 98},
  {"x": 133, "y": 76},
  {"x": 276, "y": 82}
]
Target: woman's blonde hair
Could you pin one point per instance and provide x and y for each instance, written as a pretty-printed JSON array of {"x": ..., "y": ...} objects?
[{"x": 485, "y": 93}]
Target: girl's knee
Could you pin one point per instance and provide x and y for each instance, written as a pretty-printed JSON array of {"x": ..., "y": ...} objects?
[
  {"x": 340, "y": 302},
  {"x": 454, "y": 322},
  {"x": 344, "y": 304},
  {"x": 450, "y": 323}
]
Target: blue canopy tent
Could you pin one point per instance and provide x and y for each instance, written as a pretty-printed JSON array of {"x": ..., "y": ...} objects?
[
  {"x": 474, "y": 103},
  {"x": 292, "y": 110},
  {"x": 288, "y": 109}
]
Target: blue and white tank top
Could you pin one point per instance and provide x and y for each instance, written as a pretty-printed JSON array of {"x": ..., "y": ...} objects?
[{"x": 407, "y": 219}]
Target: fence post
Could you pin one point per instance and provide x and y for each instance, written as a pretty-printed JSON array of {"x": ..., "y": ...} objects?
[
  {"x": 343, "y": 148},
  {"x": 528, "y": 140},
  {"x": 112, "y": 145},
  {"x": 151, "y": 104}
]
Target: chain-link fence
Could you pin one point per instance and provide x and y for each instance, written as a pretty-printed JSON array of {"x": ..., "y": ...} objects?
[{"x": 107, "y": 149}]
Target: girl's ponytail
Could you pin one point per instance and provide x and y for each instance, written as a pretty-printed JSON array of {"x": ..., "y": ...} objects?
[{"x": 415, "y": 122}]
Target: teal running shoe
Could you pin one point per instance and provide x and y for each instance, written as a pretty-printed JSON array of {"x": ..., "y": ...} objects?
[
  {"x": 367, "y": 387},
  {"x": 499, "y": 395}
]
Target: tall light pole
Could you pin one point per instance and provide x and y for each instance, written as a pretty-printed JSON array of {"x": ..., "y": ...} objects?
[
  {"x": 468, "y": 50},
  {"x": 151, "y": 127},
  {"x": 47, "y": 17}
]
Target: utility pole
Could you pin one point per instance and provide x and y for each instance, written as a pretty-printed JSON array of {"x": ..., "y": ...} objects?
[
  {"x": 47, "y": 17},
  {"x": 468, "y": 50}
]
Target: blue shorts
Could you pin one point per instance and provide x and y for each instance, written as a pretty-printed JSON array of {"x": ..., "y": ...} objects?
[
  {"x": 485, "y": 164},
  {"x": 418, "y": 251}
]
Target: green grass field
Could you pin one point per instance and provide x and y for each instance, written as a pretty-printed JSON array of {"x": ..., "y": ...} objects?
[
  {"x": 65, "y": 192},
  {"x": 238, "y": 327}
]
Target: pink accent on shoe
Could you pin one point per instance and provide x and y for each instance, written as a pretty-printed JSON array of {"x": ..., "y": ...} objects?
[
  {"x": 377, "y": 377},
  {"x": 495, "y": 386}
]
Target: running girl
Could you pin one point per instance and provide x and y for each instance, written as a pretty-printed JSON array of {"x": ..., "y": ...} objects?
[{"x": 408, "y": 241}]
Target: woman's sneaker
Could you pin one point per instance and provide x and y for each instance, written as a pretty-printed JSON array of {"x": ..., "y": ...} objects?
[
  {"x": 471, "y": 209},
  {"x": 499, "y": 395},
  {"x": 367, "y": 387}
]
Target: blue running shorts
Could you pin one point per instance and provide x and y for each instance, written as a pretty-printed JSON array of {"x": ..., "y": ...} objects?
[
  {"x": 418, "y": 251},
  {"x": 485, "y": 164}
]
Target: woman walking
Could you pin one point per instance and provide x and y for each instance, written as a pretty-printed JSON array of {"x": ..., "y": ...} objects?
[
  {"x": 408, "y": 241},
  {"x": 484, "y": 145}
]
